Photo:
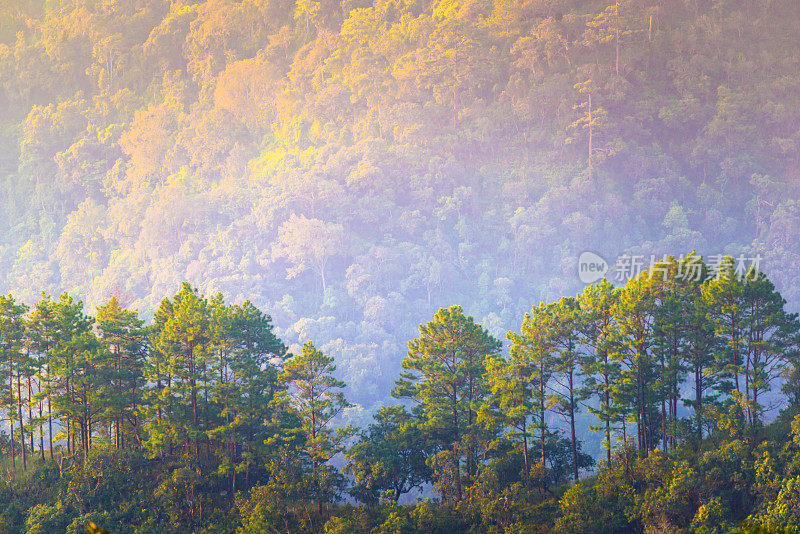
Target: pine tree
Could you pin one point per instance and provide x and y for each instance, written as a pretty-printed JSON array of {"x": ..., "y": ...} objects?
[
  {"x": 532, "y": 356},
  {"x": 123, "y": 335},
  {"x": 510, "y": 407},
  {"x": 771, "y": 338},
  {"x": 73, "y": 383},
  {"x": 632, "y": 335},
  {"x": 669, "y": 344},
  {"x": 318, "y": 398},
  {"x": 181, "y": 342},
  {"x": 725, "y": 300},
  {"x": 701, "y": 341},
  {"x": 247, "y": 357},
  {"x": 444, "y": 373},
  {"x": 12, "y": 331},
  {"x": 42, "y": 338},
  {"x": 600, "y": 372},
  {"x": 566, "y": 342}
]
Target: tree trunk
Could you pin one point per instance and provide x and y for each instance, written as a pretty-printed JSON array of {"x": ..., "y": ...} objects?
[
  {"x": 525, "y": 448},
  {"x": 572, "y": 429},
  {"x": 454, "y": 451},
  {"x": 11, "y": 415},
  {"x": 663, "y": 410},
  {"x": 41, "y": 425},
  {"x": 606, "y": 395},
  {"x": 49, "y": 417},
  {"x": 698, "y": 399},
  {"x": 541, "y": 421},
  {"x": 21, "y": 427},
  {"x": 30, "y": 417}
]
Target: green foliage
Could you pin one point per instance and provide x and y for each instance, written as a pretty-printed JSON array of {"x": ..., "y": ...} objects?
[
  {"x": 387, "y": 157},
  {"x": 317, "y": 398},
  {"x": 201, "y": 422},
  {"x": 389, "y": 458},
  {"x": 445, "y": 375},
  {"x": 92, "y": 528},
  {"x": 44, "y": 518}
]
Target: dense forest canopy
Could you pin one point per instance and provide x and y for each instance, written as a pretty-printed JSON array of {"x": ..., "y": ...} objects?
[
  {"x": 352, "y": 166},
  {"x": 202, "y": 422}
]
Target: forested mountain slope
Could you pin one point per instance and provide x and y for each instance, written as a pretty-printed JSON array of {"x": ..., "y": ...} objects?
[{"x": 353, "y": 166}]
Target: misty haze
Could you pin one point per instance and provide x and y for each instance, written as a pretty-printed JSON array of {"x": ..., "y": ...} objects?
[{"x": 399, "y": 266}]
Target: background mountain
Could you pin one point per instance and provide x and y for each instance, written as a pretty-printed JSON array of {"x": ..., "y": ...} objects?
[{"x": 353, "y": 166}]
